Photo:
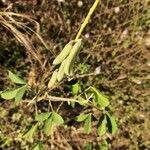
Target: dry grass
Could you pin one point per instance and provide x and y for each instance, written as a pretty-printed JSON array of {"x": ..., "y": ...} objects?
[{"x": 115, "y": 42}]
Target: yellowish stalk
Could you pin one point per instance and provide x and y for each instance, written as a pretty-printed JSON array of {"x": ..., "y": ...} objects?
[{"x": 92, "y": 9}]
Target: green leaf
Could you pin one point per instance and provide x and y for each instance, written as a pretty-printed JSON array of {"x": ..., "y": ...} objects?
[
  {"x": 14, "y": 78},
  {"x": 57, "y": 119},
  {"x": 100, "y": 98},
  {"x": 112, "y": 125},
  {"x": 29, "y": 134},
  {"x": 102, "y": 126},
  {"x": 81, "y": 117},
  {"x": 38, "y": 146},
  {"x": 48, "y": 126},
  {"x": 88, "y": 146},
  {"x": 81, "y": 100},
  {"x": 20, "y": 94},
  {"x": 104, "y": 145},
  {"x": 88, "y": 124},
  {"x": 42, "y": 117},
  {"x": 9, "y": 94},
  {"x": 75, "y": 88}
]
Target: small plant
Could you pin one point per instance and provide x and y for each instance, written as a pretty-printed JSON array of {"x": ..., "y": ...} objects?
[
  {"x": 89, "y": 98},
  {"x": 18, "y": 92}
]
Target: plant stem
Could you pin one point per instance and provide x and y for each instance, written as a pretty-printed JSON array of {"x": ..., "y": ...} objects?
[{"x": 92, "y": 9}]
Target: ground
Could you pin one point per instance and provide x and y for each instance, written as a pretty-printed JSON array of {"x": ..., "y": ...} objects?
[{"x": 115, "y": 57}]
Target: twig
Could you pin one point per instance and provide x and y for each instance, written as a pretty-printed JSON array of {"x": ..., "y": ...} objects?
[{"x": 87, "y": 19}]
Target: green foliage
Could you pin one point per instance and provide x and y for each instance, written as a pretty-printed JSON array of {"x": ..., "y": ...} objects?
[
  {"x": 87, "y": 119},
  {"x": 42, "y": 117},
  {"x": 14, "y": 78},
  {"x": 81, "y": 117},
  {"x": 111, "y": 123},
  {"x": 57, "y": 119},
  {"x": 8, "y": 95},
  {"x": 38, "y": 146},
  {"x": 102, "y": 125},
  {"x": 88, "y": 146},
  {"x": 48, "y": 126},
  {"x": 88, "y": 124},
  {"x": 50, "y": 119},
  {"x": 75, "y": 88},
  {"x": 15, "y": 93},
  {"x": 20, "y": 94},
  {"x": 104, "y": 145},
  {"x": 100, "y": 99},
  {"x": 29, "y": 134},
  {"x": 81, "y": 100}
]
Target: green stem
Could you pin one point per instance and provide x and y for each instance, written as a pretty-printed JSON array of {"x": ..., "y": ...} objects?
[{"x": 87, "y": 19}]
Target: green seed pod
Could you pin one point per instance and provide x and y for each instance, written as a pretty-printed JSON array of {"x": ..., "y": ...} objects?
[
  {"x": 53, "y": 79},
  {"x": 64, "y": 53},
  {"x": 72, "y": 56},
  {"x": 61, "y": 72}
]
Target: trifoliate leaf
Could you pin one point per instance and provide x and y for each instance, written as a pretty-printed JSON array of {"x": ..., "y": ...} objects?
[
  {"x": 57, "y": 119},
  {"x": 38, "y": 146},
  {"x": 112, "y": 125},
  {"x": 100, "y": 98},
  {"x": 29, "y": 134},
  {"x": 88, "y": 124},
  {"x": 20, "y": 94},
  {"x": 102, "y": 126},
  {"x": 104, "y": 145},
  {"x": 81, "y": 100},
  {"x": 48, "y": 126},
  {"x": 81, "y": 117},
  {"x": 14, "y": 78},
  {"x": 9, "y": 94},
  {"x": 75, "y": 88},
  {"x": 42, "y": 117}
]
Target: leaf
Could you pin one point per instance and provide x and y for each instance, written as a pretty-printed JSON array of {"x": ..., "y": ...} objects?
[
  {"x": 20, "y": 94},
  {"x": 88, "y": 124},
  {"x": 64, "y": 53},
  {"x": 112, "y": 123},
  {"x": 29, "y": 134},
  {"x": 42, "y": 117},
  {"x": 53, "y": 79},
  {"x": 88, "y": 146},
  {"x": 75, "y": 88},
  {"x": 48, "y": 126},
  {"x": 81, "y": 117},
  {"x": 38, "y": 146},
  {"x": 9, "y": 94},
  {"x": 102, "y": 126},
  {"x": 82, "y": 101},
  {"x": 14, "y": 78},
  {"x": 57, "y": 119},
  {"x": 100, "y": 98},
  {"x": 104, "y": 145}
]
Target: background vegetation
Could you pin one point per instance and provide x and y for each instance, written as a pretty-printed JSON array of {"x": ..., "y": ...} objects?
[{"x": 114, "y": 58}]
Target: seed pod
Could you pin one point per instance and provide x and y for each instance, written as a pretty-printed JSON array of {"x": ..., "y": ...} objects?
[
  {"x": 61, "y": 72},
  {"x": 53, "y": 79},
  {"x": 72, "y": 56},
  {"x": 64, "y": 53}
]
